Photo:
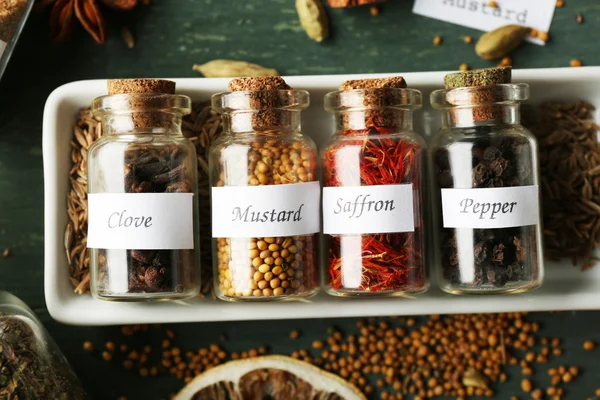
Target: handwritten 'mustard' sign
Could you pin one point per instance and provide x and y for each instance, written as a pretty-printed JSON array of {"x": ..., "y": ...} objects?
[{"x": 478, "y": 14}]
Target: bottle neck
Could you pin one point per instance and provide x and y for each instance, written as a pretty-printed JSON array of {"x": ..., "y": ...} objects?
[
  {"x": 269, "y": 121},
  {"x": 154, "y": 122},
  {"x": 373, "y": 121},
  {"x": 490, "y": 114}
]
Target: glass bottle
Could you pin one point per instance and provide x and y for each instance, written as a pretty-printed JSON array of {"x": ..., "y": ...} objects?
[
  {"x": 265, "y": 195},
  {"x": 31, "y": 365},
  {"x": 485, "y": 192},
  {"x": 373, "y": 192},
  {"x": 142, "y": 184}
]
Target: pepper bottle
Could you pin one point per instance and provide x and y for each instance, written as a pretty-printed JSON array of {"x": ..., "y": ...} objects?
[
  {"x": 265, "y": 194},
  {"x": 485, "y": 187},
  {"x": 373, "y": 193},
  {"x": 142, "y": 184}
]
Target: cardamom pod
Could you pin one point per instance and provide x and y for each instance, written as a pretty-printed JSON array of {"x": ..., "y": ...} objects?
[
  {"x": 232, "y": 68},
  {"x": 313, "y": 19},
  {"x": 501, "y": 41},
  {"x": 474, "y": 378}
]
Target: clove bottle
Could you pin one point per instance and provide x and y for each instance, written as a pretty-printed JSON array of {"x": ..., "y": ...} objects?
[
  {"x": 265, "y": 194},
  {"x": 142, "y": 183},
  {"x": 485, "y": 187}
]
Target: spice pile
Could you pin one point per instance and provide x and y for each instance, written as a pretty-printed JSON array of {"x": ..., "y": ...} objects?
[
  {"x": 569, "y": 155},
  {"x": 11, "y": 12},
  {"x": 200, "y": 127},
  {"x": 429, "y": 357},
  {"x": 27, "y": 369}
]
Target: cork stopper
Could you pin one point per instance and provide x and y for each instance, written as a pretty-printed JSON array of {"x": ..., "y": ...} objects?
[
  {"x": 477, "y": 88},
  {"x": 379, "y": 98},
  {"x": 258, "y": 83},
  {"x": 128, "y": 86},
  {"x": 478, "y": 77},
  {"x": 142, "y": 98},
  {"x": 267, "y": 95},
  {"x": 396, "y": 82}
]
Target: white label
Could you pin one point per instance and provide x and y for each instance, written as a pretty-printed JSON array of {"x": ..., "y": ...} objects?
[
  {"x": 143, "y": 221},
  {"x": 368, "y": 209},
  {"x": 490, "y": 207},
  {"x": 2, "y": 47},
  {"x": 479, "y": 15},
  {"x": 265, "y": 211}
]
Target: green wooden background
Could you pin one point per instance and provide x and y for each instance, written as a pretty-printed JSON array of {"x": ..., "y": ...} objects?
[{"x": 173, "y": 35}]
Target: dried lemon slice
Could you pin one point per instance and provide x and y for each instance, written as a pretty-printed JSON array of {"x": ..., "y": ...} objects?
[{"x": 270, "y": 377}]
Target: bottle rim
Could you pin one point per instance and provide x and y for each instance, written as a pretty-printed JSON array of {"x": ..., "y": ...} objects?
[
  {"x": 260, "y": 100},
  {"x": 360, "y": 99},
  {"x": 119, "y": 104},
  {"x": 499, "y": 94}
]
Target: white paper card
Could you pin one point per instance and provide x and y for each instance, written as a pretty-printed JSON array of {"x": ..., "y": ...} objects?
[
  {"x": 266, "y": 211},
  {"x": 478, "y": 14},
  {"x": 490, "y": 207},
  {"x": 142, "y": 221},
  {"x": 368, "y": 209},
  {"x": 2, "y": 47}
]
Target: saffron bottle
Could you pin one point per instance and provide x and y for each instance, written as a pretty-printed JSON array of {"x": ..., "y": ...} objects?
[{"x": 373, "y": 194}]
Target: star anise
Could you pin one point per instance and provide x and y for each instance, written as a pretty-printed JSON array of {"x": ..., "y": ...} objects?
[{"x": 64, "y": 13}]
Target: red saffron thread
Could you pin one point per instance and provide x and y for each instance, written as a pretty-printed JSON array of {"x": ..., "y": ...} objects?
[{"x": 389, "y": 262}]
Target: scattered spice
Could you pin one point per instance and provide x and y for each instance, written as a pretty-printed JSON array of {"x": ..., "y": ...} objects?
[
  {"x": 505, "y": 62},
  {"x": 493, "y": 4},
  {"x": 232, "y": 68},
  {"x": 6, "y": 252},
  {"x": 589, "y": 345},
  {"x": 544, "y": 36},
  {"x": 576, "y": 63},
  {"x": 431, "y": 357},
  {"x": 128, "y": 37},
  {"x": 294, "y": 334},
  {"x": 88, "y": 346},
  {"x": 313, "y": 19},
  {"x": 560, "y": 3},
  {"x": 468, "y": 39},
  {"x": 579, "y": 18},
  {"x": 463, "y": 67},
  {"x": 351, "y": 3},
  {"x": 526, "y": 385},
  {"x": 374, "y": 11},
  {"x": 499, "y": 42},
  {"x": 569, "y": 156},
  {"x": 437, "y": 40}
]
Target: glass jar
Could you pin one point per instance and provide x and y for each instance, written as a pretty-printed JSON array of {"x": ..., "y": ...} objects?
[
  {"x": 31, "y": 365},
  {"x": 373, "y": 194},
  {"x": 265, "y": 198},
  {"x": 142, "y": 184},
  {"x": 485, "y": 189}
]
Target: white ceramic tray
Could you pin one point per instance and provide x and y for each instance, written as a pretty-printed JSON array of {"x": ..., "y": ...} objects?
[{"x": 565, "y": 287}]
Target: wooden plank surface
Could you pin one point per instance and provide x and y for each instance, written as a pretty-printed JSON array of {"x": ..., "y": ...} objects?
[{"x": 173, "y": 35}]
